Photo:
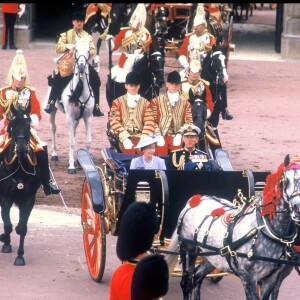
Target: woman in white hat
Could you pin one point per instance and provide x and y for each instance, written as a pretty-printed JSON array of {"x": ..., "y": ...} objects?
[{"x": 148, "y": 160}]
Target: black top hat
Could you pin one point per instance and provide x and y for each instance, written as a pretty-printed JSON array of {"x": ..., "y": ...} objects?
[
  {"x": 78, "y": 15},
  {"x": 150, "y": 278},
  {"x": 174, "y": 77},
  {"x": 138, "y": 225},
  {"x": 133, "y": 78}
]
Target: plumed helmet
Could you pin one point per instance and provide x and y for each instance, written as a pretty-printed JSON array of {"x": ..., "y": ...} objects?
[
  {"x": 150, "y": 278},
  {"x": 78, "y": 15},
  {"x": 133, "y": 78},
  {"x": 199, "y": 19},
  {"x": 18, "y": 69},
  {"x": 139, "y": 16},
  {"x": 174, "y": 77},
  {"x": 138, "y": 225},
  {"x": 195, "y": 66}
]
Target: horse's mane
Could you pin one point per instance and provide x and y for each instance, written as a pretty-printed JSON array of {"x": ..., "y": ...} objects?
[{"x": 272, "y": 193}]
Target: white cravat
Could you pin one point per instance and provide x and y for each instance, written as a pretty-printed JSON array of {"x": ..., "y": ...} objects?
[
  {"x": 132, "y": 100},
  {"x": 173, "y": 98}
]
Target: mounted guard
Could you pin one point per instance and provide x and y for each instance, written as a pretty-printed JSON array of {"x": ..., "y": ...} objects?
[
  {"x": 19, "y": 93},
  {"x": 64, "y": 72},
  {"x": 134, "y": 40}
]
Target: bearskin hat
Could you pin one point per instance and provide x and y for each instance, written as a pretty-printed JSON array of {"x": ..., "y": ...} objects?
[
  {"x": 138, "y": 225},
  {"x": 150, "y": 278}
]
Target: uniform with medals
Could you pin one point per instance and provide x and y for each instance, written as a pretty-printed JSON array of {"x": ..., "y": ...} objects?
[
  {"x": 196, "y": 46},
  {"x": 19, "y": 93},
  {"x": 134, "y": 42}
]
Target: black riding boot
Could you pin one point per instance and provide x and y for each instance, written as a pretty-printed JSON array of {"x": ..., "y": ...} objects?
[
  {"x": 58, "y": 84},
  {"x": 43, "y": 162},
  {"x": 95, "y": 85}
]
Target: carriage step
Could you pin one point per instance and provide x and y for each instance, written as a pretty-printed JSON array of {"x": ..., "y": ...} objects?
[{"x": 94, "y": 180}]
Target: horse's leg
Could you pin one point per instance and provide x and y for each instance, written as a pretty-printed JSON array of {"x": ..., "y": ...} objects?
[
  {"x": 25, "y": 208},
  {"x": 71, "y": 124},
  {"x": 249, "y": 282},
  {"x": 202, "y": 270},
  {"x": 88, "y": 132},
  {"x": 54, "y": 156},
  {"x": 5, "y": 214},
  {"x": 188, "y": 258}
]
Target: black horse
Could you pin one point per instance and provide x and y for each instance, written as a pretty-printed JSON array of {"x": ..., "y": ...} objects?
[
  {"x": 151, "y": 70},
  {"x": 214, "y": 70},
  {"x": 19, "y": 179}
]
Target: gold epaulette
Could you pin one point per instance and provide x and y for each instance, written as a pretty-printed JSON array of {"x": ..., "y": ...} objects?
[
  {"x": 30, "y": 88},
  {"x": 123, "y": 28},
  {"x": 178, "y": 150},
  {"x": 205, "y": 81},
  {"x": 5, "y": 87}
]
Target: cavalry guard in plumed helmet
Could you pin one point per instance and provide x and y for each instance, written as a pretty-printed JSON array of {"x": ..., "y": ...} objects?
[
  {"x": 134, "y": 41},
  {"x": 19, "y": 91}
]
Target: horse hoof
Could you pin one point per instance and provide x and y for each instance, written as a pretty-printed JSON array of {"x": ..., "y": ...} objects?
[
  {"x": 19, "y": 261},
  {"x": 6, "y": 249},
  {"x": 71, "y": 171},
  {"x": 54, "y": 158}
]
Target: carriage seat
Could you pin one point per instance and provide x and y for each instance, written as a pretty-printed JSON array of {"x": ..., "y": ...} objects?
[{"x": 122, "y": 161}]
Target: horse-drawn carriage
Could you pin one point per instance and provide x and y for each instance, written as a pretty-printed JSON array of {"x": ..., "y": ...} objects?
[{"x": 110, "y": 188}]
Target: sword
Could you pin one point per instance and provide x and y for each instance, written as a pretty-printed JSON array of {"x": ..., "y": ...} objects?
[{"x": 60, "y": 193}]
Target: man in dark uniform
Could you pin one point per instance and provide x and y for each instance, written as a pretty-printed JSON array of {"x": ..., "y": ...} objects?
[
  {"x": 67, "y": 43},
  {"x": 189, "y": 157}
]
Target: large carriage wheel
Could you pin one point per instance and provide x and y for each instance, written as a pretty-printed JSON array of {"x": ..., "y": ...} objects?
[{"x": 94, "y": 235}]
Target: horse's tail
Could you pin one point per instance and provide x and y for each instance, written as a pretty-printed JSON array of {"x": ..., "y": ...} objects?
[{"x": 173, "y": 247}]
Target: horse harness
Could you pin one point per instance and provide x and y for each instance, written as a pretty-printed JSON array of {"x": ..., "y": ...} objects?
[{"x": 229, "y": 247}]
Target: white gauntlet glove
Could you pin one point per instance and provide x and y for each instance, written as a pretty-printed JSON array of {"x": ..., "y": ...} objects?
[
  {"x": 70, "y": 46},
  {"x": 34, "y": 120},
  {"x": 208, "y": 114},
  {"x": 190, "y": 47},
  {"x": 127, "y": 143},
  {"x": 177, "y": 139},
  {"x": 22, "y": 8},
  {"x": 183, "y": 61},
  {"x": 160, "y": 140},
  {"x": 109, "y": 39}
]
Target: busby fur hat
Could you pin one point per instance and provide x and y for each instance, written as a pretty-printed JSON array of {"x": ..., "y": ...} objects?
[
  {"x": 150, "y": 278},
  {"x": 133, "y": 78},
  {"x": 174, "y": 77},
  {"x": 138, "y": 225}
]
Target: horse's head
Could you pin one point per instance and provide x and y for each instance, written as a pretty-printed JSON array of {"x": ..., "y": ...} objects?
[
  {"x": 290, "y": 185},
  {"x": 19, "y": 130},
  {"x": 283, "y": 189},
  {"x": 82, "y": 54},
  {"x": 157, "y": 66},
  {"x": 218, "y": 64}
]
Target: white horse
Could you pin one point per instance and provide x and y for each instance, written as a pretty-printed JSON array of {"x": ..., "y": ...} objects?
[
  {"x": 254, "y": 241},
  {"x": 77, "y": 101}
]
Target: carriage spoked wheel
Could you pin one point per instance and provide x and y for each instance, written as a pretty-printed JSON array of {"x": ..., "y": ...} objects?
[{"x": 94, "y": 235}]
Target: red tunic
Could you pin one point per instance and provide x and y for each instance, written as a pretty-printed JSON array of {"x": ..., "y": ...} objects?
[
  {"x": 11, "y": 8},
  {"x": 120, "y": 285}
]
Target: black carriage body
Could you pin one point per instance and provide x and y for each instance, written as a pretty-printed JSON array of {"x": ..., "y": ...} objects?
[{"x": 169, "y": 190}]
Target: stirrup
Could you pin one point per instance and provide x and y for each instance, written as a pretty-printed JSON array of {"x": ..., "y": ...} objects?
[
  {"x": 97, "y": 112},
  {"x": 49, "y": 107}
]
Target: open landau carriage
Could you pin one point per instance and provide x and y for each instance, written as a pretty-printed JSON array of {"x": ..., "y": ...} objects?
[{"x": 110, "y": 188}]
